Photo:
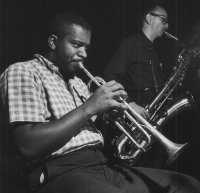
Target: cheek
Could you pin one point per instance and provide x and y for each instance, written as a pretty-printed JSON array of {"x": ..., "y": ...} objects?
[
  {"x": 157, "y": 24},
  {"x": 65, "y": 52},
  {"x": 158, "y": 28},
  {"x": 69, "y": 51}
]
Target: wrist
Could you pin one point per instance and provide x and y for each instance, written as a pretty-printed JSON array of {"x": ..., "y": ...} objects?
[{"x": 87, "y": 111}]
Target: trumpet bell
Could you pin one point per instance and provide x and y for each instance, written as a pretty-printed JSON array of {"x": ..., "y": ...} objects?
[{"x": 174, "y": 150}]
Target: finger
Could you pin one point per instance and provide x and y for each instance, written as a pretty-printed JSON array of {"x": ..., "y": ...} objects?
[
  {"x": 119, "y": 105},
  {"x": 145, "y": 115},
  {"x": 112, "y": 82},
  {"x": 115, "y": 85},
  {"x": 119, "y": 93}
]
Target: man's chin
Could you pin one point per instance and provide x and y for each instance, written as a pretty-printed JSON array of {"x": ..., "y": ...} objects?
[
  {"x": 71, "y": 68},
  {"x": 67, "y": 73},
  {"x": 68, "y": 69},
  {"x": 75, "y": 65},
  {"x": 162, "y": 33}
]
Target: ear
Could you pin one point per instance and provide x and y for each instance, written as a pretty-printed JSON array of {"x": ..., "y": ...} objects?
[
  {"x": 148, "y": 18},
  {"x": 52, "y": 41}
]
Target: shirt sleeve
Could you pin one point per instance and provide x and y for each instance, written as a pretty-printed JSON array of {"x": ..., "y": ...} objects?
[{"x": 24, "y": 95}]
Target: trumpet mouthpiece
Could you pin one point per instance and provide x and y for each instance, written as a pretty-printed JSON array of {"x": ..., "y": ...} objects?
[{"x": 80, "y": 65}]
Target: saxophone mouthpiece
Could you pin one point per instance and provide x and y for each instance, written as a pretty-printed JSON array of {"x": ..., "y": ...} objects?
[{"x": 170, "y": 36}]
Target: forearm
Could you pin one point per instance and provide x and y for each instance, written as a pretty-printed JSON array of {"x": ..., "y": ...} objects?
[{"x": 38, "y": 139}]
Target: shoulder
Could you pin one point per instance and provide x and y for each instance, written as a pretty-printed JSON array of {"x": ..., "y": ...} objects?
[
  {"x": 23, "y": 66},
  {"x": 27, "y": 67},
  {"x": 21, "y": 71},
  {"x": 132, "y": 39}
]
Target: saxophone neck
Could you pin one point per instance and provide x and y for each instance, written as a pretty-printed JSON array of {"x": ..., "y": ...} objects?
[{"x": 171, "y": 36}]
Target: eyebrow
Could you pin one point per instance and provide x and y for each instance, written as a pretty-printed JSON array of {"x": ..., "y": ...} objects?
[
  {"x": 162, "y": 14},
  {"x": 80, "y": 42},
  {"x": 159, "y": 15}
]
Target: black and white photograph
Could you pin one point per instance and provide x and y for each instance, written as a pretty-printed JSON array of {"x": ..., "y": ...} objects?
[{"x": 100, "y": 96}]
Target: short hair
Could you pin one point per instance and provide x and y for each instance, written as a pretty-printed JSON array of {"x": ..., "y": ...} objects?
[
  {"x": 149, "y": 9},
  {"x": 62, "y": 22}
]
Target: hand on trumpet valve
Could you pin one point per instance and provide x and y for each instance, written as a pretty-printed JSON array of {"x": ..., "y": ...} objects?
[{"x": 104, "y": 98}]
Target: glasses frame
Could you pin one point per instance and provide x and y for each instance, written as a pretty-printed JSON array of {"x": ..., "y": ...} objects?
[{"x": 163, "y": 18}]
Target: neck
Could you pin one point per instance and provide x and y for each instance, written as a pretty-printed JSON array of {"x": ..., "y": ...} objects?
[
  {"x": 50, "y": 56},
  {"x": 148, "y": 33}
]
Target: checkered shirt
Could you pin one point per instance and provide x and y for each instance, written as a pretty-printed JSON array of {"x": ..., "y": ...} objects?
[{"x": 36, "y": 92}]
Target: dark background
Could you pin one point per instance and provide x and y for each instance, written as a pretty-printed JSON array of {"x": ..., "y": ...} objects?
[{"x": 23, "y": 24}]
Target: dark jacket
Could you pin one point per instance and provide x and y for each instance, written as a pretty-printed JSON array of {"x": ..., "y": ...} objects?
[{"x": 137, "y": 67}]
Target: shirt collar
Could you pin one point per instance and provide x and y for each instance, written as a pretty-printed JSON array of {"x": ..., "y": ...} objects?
[
  {"x": 50, "y": 66},
  {"x": 47, "y": 63}
]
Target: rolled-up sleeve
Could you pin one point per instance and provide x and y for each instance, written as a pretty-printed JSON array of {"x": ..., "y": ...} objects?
[{"x": 24, "y": 95}]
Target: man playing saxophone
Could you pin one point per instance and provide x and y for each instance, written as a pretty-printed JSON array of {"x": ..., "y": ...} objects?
[{"x": 137, "y": 66}]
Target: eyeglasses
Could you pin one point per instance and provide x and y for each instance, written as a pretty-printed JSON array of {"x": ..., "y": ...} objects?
[{"x": 164, "y": 18}]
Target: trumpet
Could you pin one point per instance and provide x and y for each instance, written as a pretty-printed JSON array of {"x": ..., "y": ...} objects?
[{"x": 132, "y": 122}]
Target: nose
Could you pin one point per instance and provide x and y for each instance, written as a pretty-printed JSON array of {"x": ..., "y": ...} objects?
[
  {"x": 166, "y": 26},
  {"x": 82, "y": 52}
]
